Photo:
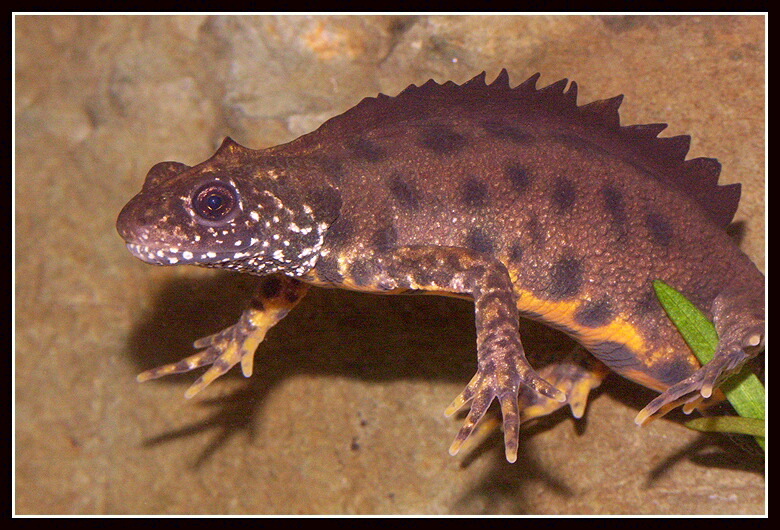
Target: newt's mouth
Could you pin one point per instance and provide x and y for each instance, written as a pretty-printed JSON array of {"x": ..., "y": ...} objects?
[{"x": 177, "y": 256}]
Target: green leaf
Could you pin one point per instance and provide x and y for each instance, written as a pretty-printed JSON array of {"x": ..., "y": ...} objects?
[
  {"x": 735, "y": 424},
  {"x": 743, "y": 390},
  {"x": 694, "y": 326}
]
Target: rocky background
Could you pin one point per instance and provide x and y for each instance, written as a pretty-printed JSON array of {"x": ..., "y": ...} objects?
[{"x": 344, "y": 412}]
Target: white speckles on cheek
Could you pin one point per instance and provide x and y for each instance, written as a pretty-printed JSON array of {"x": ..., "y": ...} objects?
[
  {"x": 187, "y": 255},
  {"x": 254, "y": 215}
]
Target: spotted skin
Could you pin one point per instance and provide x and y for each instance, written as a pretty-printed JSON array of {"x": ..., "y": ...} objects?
[{"x": 515, "y": 198}]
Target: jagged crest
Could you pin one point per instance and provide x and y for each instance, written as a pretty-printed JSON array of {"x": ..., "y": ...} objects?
[{"x": 554, "y": 105}]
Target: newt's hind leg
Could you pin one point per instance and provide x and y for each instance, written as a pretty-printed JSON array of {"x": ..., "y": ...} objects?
[
  {"x": 739, "y": 321},
  {"x": 575, "y": 373},
  {"x": 276, "y": 296}
]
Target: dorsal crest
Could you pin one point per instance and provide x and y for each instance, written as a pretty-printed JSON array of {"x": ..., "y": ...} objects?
[{"x": 553, "y": 107}]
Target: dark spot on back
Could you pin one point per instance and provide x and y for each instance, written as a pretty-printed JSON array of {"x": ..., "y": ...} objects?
[
  {"x": 563, "y": 194},
  {"x": 614, "y": 354},
  {"x": 518, "y": 176},
  {"x": 535, "y": 231},
  {"x": 442, "y": 140},
  {"x": 516, "y": 252},
  {"x": 672, "y": 371},
  {"x": 385, "y": 238},
  {"x": 565, "y": 278},
  {"x": 660, "y": 228},
  {"x": 403, "y": 192},
  {"x": 475, "y": 193},
  {"x": 504, "y": 131},
  {"x": 615, "y": 207},
  {"x": 593, "y": 314},
  {"x": 367, "y": 150},
  {"x": 478, "y": 241}
]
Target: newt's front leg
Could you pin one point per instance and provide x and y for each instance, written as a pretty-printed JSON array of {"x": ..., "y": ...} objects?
[
  {"x": 276, "y": 295},
  {"x": 502, "y": 366}
]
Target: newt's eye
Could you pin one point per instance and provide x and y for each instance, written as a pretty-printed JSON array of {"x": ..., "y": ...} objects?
[{"x": 215, "y": 201}]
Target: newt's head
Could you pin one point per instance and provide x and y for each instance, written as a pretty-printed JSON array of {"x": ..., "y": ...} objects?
[{"x": 240, "y": 210}]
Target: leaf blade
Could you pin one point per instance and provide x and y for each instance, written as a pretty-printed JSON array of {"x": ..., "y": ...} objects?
[{"x": 744, "y": 390}]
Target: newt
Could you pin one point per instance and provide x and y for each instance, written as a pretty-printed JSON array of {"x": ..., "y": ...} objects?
[{"x": 516, "y": 198}]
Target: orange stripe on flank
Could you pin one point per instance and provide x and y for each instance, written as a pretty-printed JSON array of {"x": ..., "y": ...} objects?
[{"x": 561, "y": 313}]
